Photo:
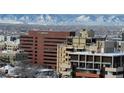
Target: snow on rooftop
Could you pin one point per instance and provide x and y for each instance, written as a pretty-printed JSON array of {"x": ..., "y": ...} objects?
[{"x": 100, "y": 54}]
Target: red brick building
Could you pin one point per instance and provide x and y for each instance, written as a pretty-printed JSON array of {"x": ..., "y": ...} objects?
[{"x": 41, "y": 46}]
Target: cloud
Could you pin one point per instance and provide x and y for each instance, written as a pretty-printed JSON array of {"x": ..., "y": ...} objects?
[{"x": 83, "y": 18}]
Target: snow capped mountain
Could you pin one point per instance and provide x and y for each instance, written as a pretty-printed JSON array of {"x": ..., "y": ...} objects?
[{"x": 62, "y": 19}]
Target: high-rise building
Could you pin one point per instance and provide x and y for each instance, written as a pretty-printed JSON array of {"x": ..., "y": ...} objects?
[{"x": 41, "y": 46}]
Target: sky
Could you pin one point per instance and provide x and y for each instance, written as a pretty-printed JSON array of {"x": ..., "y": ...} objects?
[{"x": 63, "y": 19}]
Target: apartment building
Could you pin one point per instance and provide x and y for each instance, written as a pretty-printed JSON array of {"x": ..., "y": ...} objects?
[
  {"x": 87, "y": 44},
  {"x": 41, "y": 46}
]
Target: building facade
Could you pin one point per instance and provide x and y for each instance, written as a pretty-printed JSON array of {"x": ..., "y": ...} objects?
[
  {"x": 90, "y": 65},
  {"x": 41, "y": 46}
]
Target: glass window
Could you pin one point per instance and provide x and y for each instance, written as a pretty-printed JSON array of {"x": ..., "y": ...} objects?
[
  {"x": 97, "y": 66},
  {"x": 96, "y": 58},
  {"x": 89, "y": 65},
  {"x": 82, "y": 65},
  {"x": 74, "y": 57},
  {"x": 106, "y": 59},
  {"x": 82, "y": 58},
  {"x": 89, "y": 58}
]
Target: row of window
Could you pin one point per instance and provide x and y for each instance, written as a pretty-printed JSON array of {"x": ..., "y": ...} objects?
[
  {"x": 89, "y": 65},
  {"x": 26, "y": 44},
  {"x": 50, "y": 45},
  {"x": 25, "y": 47},
  {"x": 53, "y": 41},
  {"x": 56, "y": 38},
  {"x": 50, "y": 59},
  {"x": 96, "y": 58},
  {"x": 50, "y": 52},
  {"x": 26, "y": 37},
  {"x": 50, "y": 55},
  {"x": 26, "y": 40}
]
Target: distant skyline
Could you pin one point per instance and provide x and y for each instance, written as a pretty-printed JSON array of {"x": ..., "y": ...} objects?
[{"x": 64, "y": 19}]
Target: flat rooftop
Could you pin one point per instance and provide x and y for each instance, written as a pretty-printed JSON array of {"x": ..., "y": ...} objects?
[{"x": 100, "y": 54}]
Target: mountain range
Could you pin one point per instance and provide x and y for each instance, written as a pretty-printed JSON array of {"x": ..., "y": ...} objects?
[{"x": 64, "y": 19}]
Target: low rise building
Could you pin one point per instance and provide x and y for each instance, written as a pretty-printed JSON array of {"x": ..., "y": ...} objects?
[
  {"x": 9, "y": 56},
  {"x": 88, "y": 64}
]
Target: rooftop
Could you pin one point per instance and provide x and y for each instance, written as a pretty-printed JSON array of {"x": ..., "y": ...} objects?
[{"x": 100, "y": 54}]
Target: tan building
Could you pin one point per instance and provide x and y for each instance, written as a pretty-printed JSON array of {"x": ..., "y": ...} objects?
[
  {"x": 12, "y": 57},
  {"x": 76, "y": 43},
  {"x": 63, "y": 63},
  {"x": 84, "y": 42}
]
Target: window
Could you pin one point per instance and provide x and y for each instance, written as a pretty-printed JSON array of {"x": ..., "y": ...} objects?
[
  {"x": 69, "y": 49},
  {"x": 50, "y": 45},
  {"x": 26, "y": 37},
  {"x": 106, "y": 59},
  {"x": 88, "y": 41},
  {"x": 94, "y": 40},
  {"x": 89, "y": 58},
  {"x": 96, "y": 66},
  {"x": 30, "y": 54},
  {"x": 26, "y": 40},
  {"x": 117, "y": 62},
  {"x": 29, "y": 57},
  {"x": 74, "y": 64},
  {"x": 82, "y": 65},
  {"x": 26, "y": 44},
  {"x": 74, "y": 57},
  {"x": 107, "y": 65},
  {"x": 79, "y": 50},
  {"x": 49, "y": 59},
  {"x": 53, "y": 41},
  {"x": 82, "y": 57},
  {"x": 97, "y": 59},
  {"x": 89, "y": 65},
  {"x": 69, "y": 41},
  {"x": 49, "y": 62},
  {"x": 50, "y": 49},
  {"x": 50, "y": 52},
  {"x": 50, "y": 55},
  {"x": 56, "y": 38},
  {"x": 24, "y": 47}
]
